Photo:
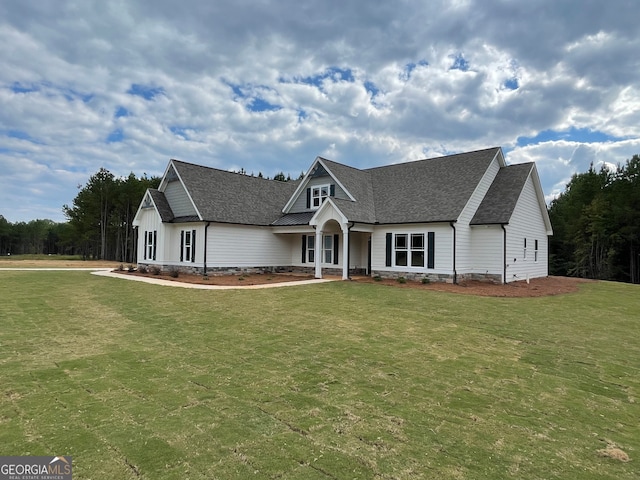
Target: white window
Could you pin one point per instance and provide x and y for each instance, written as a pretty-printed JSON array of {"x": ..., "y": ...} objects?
[
  {"x": 409, "y": 250},
  {"x": 188, "y": 246},
  {"x": 327, "y": 248},
  {"x": 525, "y": 249},
  {"x": 535, "y": 251},
  {"x": 311, "y": 248},
  {"x": 402, "y": 250},
  {"x": 150, "y": 241},
  {"x": 318, "y": 194},
  {"x": 417, "y": 250}
]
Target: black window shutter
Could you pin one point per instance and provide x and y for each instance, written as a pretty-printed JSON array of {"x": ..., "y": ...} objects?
[
  {"x": 155, "y": 243},
  {"x": 304, "y": 248},
  {"x": 193, "y": 245},
  {"x": 145, "y": 244},
  {"x": 332, "y": 190},
  {"x": 181, "y": 244},
  {"x": 431, "y": 237},
  {"x": 336, "y": 237},
  {"x": 387, "y": 261},
  {"x": 308, "y": 197}
]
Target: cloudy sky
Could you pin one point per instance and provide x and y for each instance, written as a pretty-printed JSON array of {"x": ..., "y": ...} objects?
[{"x": 268, "y": 85}]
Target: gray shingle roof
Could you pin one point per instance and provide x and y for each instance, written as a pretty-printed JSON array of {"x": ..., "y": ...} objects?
[
  {"x": 501, "y": 198},
  {"x": 166, "y": 214},
  {"x": 433, "y": 190},
  {"x": 358, "y": 184},
  {"x": 222, "y": 196}
]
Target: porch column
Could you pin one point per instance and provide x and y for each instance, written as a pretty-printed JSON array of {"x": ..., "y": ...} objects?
[
  {"x": 318, "y": 253},
  {"x": 345, "y": 253}
]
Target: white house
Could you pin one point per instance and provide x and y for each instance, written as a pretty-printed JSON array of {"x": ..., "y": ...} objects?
[{"x": 448, "y": 218}]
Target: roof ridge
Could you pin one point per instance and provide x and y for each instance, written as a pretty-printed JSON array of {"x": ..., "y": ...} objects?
[
  {"x": 442, "y": 157},
  {"x": 231, "y": 172}
]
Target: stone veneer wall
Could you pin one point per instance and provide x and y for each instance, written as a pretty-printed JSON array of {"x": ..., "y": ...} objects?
[{"x": 433, "y": 277}]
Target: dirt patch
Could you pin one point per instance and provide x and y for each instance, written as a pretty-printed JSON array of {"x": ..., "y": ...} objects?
[
  {"x": 9, "y": 263},
  {"x": 614, "y": 453},
  {"x": 537, "y": 287}
]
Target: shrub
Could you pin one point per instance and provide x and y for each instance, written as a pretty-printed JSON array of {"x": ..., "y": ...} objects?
[
  {"x": 131, "y": 268},
  {"x": 377, "y": 278},
  {"x": 401, "y": 280},
  {"x": 120, "y": 268},
  {"x": 142, "y": 269},
  {"x": 154, "y": 270},
  {"x": 174, "y": 273},
  {"x": 425, "y": 281}
]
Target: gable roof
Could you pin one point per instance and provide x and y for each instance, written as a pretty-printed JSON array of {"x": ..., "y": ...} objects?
[
  {"x": 162, "y": 205},
  {"x": 498, "y": 204},
  {"x": 432, "y": 190},
  {"x": 222, "y": 196}
]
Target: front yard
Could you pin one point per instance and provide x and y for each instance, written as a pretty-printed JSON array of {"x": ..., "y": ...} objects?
[{"x": 337, "y": 380}]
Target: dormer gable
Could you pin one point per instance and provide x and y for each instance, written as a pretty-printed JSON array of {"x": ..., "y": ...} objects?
[{"x": 319, "y": 183}]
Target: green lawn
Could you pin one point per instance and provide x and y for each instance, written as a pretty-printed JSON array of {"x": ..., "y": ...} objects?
[{"x": 330, "y": 381}]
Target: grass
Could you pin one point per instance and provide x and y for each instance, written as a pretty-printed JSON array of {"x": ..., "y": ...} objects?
[{"x": 337, "y": 380}]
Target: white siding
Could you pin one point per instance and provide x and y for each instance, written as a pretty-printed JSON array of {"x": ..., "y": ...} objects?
[
  {"x": 487, "y": 251},
  {"x": 527, "y": 222},
  {"x": 149, "y": 221},
  {"x": 247, "y": 246},
  {"x": 171, "y": 248},
  {"x": 464, "y": 256},
  {"x": 443, "y": 254},
  {"x": 178, "y": 199}
]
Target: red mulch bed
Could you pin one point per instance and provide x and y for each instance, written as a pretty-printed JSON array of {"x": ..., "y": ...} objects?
[{"x": 537, "y": 287}]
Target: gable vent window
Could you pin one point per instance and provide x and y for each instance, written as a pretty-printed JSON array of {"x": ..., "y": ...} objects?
[{"x": 188, "y": 246}]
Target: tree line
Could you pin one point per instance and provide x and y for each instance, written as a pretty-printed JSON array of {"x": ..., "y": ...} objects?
[
  {"x": 99, "y": 222},
  {"x": 596, "y": 225}
]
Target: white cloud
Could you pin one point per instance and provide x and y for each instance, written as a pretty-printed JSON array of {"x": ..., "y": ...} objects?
[{"x": 363, "y": 83}]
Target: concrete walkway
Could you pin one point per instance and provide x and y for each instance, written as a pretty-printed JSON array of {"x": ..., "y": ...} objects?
[
  {"x": 172, "y": 283},
  {"x": 108, "y": 272}
]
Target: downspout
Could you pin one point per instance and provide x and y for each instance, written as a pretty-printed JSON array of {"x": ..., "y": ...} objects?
[
  {"x": 504, "y": 254},
  {"x": 204, "y": 271},
  {"x": 455, "y": 274}
]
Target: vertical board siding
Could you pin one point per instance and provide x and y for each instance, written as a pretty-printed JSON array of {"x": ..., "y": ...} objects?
[
  {"x": 150, "y": 222},
  {"x": 527, "y": 221},
  {"x": 179, "y": 200},
  {"x": 487, "y": 251},
  {"x": 464, "y": 256}
]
